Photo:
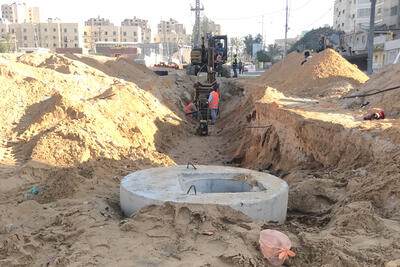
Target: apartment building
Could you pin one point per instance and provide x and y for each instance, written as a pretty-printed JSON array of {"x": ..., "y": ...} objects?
[
  {"x": 144, "y": 26},
  {"x": 3, "y": 27},
  {"x": 99, "y": 30},
  {"x": 170, "y": 26},
  {"x": 131, "y": 34},
  {"x": 354, "y": 15},
  {"x": 51, "y": 34},
  {"x": 20, "y": 13}
]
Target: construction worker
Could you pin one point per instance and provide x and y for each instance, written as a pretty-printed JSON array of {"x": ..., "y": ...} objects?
[
  {"x": 219, "y": 65},
  {"x": 234, "y": 65},
  {"x": 307, "y": 57},
  {"x": 219, "y": 49},
  {"x": 191, "y": 110},
  {"x": 213, "y": 103}
]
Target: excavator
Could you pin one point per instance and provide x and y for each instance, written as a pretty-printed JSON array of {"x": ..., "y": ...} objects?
[{"x": 204, "y": 59}]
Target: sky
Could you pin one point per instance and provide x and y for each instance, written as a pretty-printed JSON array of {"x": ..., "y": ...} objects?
[{"x": 238, "y": 18}]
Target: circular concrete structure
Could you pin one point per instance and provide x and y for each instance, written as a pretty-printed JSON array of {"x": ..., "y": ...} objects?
[{"x": 259, "y": 195}]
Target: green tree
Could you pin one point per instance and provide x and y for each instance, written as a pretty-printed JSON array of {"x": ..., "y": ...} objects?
[
  {"x": 258, "y": 39},
  {"x": 237, "y": 45},
  {"x": 274, "y": 51},
  {"x": 3, "y": 47},
  {"x": 263, "y": 56},
  {"x": 249, "y": 41}
]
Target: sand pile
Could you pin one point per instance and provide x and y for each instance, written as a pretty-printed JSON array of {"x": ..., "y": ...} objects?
[
  {"x": 327, "y": 73},
  {"x": 388, "y": 101},
  {"x": 63, "y": 118}
]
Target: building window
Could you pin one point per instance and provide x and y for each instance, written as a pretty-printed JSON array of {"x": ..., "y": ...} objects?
[
  {"x": 105, "y": 40},
  {"x": 343, "y": 11},
  {"x": 24, "y": 30},
  {"x": 105, "y": 33},
  {"x": 85, "y": 40},
  {"x": 65, "y": 30},
  {"x": 363, "y": 12},
  {"x": 75, "y": 30},
  {"x": 45, "y": 29},
  {"x": 25, "y": 38},
  {"x": 114, "y": 33},
  {"x": 54, "y": 37},
  {"x": 124, "y": 39},
  {"x": 114, "y": 40},
  {"x": 54, "y": 45},
  {"x": 134, "y": 33},
  {"x": 353, "y": 16},
  {"x": 66, "y": 46},
  {"x": 76, "y": 45},
  {"x": 393, "y": 11},
  {"x": 124, "y": 34},
  {"x": 342, "y": 24},
  {"x": 76, "y": 38},
  {"x": 12, "y": 31},
  {"x": 54, "y": 29},
  {"x": 85, "y": 33},
  {"x": 135, "y": 40}
]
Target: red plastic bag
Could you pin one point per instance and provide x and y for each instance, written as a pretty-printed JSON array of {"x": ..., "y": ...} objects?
[{"x": 275, "y": 246}]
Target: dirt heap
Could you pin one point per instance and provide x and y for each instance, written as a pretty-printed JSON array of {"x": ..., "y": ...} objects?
[
  {"x": 326, "y": 73},
  {"x": 387, "y": 101},
  {"x": 62, "y": 113}
]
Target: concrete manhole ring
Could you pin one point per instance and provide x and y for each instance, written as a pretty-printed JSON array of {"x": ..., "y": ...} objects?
[{"x": 259, "y": 195}]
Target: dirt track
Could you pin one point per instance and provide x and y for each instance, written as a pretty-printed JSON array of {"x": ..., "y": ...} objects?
[{"x": 79, "y": 124}]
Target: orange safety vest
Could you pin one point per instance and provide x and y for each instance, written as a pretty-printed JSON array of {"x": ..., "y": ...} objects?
[
  {"x": 215, "y": 100},
  {"x": 188, "y": 110}
]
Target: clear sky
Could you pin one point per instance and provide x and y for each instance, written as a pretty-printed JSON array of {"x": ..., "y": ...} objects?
[{"x": 237, "y": 17}]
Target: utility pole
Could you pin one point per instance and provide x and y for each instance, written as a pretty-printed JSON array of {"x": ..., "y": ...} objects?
[
  {"x": 197, "y": 10},
  {"x": 371, "y": 37},
  {"x": 286, "y": 28},
  {"x": 262, "y": 32}
]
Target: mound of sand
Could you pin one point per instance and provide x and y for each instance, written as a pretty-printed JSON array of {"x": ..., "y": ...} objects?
[
  {"x": 66, "y": 112},
  {"x": 387, "y": 101},
  {"x": 326, "y": 73}
]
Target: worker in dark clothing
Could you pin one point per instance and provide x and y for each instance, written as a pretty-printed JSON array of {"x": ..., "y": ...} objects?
[
  {"x": 240, "y": 66},
  {"x": 235, "y": 65},
  {"x": 219, "y": 65},
  {"x": 307, "y": 57}
]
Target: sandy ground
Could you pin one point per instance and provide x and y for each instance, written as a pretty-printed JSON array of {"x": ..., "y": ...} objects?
[{"x": 78, "y": 125}]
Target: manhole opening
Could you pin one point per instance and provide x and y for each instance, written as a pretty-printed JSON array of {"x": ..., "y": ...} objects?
[{"x": 219, "y": 186}]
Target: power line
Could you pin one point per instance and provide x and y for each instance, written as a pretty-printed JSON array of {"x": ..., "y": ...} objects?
[
  {"x": 268, "y": 13},
  {"x": 329, "y": 10}
]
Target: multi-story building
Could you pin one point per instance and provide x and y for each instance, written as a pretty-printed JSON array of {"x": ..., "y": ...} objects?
[
  {"x": 170, "y": 26},
  {"x": 354, "y": 15},
  {"x": 99, "y": 30},
  {"x": 391, "y": 14},
  {"x": 3, "y": 27},
  {"x": 26, "y": 34},
  {"x": 131, "y": 34},
  {"x": 143, "y": 24},
  {"x": 51, "y": 34},
  {"x": 20, "y": 13}
]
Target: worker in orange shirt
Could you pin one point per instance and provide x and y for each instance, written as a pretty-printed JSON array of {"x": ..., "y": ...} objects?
[{"x": 213, "y": 104}]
